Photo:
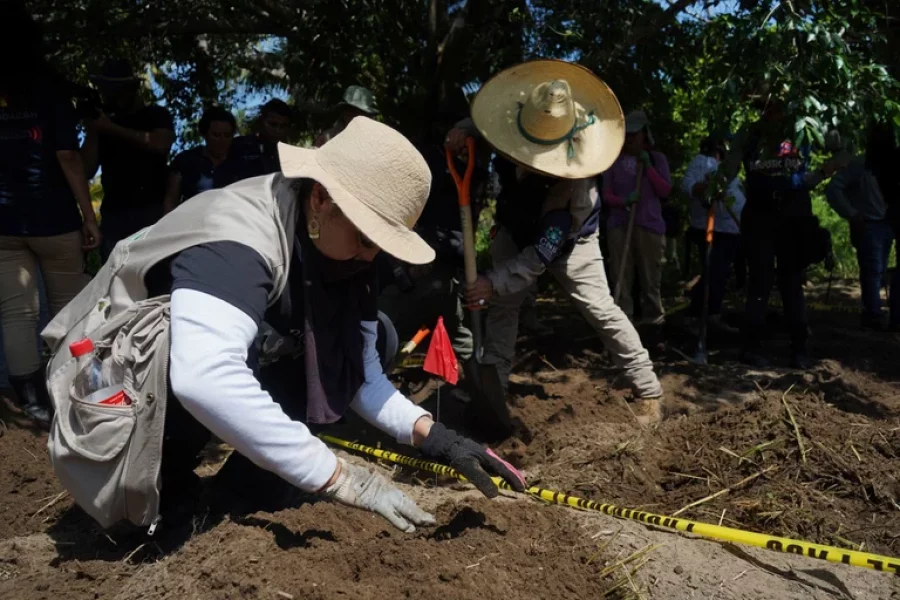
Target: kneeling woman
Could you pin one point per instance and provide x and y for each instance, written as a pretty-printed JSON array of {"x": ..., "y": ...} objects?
[{"x": 271, "y": 281}]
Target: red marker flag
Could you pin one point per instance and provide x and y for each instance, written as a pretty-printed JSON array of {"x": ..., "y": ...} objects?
[{"x": 441, "y": 360}]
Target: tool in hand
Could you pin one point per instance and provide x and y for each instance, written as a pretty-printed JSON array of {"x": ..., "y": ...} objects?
[
  {"x": 464, "y": 191},
  {"x": 628, "y": 231},
  {"x": 701, "y": 356},
  {"x": 490, "y": 387}
]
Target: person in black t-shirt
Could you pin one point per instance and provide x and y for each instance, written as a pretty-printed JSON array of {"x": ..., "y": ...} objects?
[
  {"x": 778, "y": 227},
  {"x": 42, "y": 187},
  {"x": 204, "y": 167},
  {"x": 130, "y": 142},
  {"x": 257, "y": 154}
]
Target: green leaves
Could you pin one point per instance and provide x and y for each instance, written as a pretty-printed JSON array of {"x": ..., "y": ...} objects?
[{"x": 695, "y": 66}]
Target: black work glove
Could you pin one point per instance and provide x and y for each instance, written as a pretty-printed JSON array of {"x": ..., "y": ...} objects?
[{"x": 471, "y": 459}]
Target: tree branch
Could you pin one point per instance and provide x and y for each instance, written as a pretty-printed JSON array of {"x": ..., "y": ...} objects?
[
  {"x": 138, "y": 29},
  {"x": 253, "y": 17},
  {"x": 651, "y": 28}
]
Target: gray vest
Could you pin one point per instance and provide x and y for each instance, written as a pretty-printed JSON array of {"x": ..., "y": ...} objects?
[{"x": 108, "y": 457}]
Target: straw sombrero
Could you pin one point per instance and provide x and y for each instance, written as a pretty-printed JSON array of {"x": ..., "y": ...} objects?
[
  {"x": 551, "y": 116},
  {"x": 378, "y": 180}
]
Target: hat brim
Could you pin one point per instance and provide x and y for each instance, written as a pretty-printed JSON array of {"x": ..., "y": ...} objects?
[
  {"x": 113, "y": 81},
  {"x": 366, "y": 111},
  {"x": 394, "y": 238},
  {"x": 495, "y": 112}
]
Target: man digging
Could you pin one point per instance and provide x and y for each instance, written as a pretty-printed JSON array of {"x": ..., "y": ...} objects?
[{"x": 554, "y": 126}]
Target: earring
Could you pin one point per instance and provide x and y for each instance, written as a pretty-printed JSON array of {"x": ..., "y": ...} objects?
[{"x": 312, "y": 228}]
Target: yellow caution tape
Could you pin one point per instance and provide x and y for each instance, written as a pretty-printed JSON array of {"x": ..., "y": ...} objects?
[
  {"x": 822, "y": 307},
  {"x": 707, "y": 530},
  {"x": 815, "y": 306}
]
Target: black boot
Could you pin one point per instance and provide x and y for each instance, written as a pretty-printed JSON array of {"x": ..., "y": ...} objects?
[
  {"x": 800, "y": 358},
  {"x": 31, "y": 392},
  {"x": 752, "y": 351}
]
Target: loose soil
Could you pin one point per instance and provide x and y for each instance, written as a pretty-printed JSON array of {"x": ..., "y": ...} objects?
[{"x": 831, "y": 476}]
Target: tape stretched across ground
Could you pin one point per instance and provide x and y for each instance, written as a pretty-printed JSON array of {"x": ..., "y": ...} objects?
[
  {"x": 813, "y": 306},
  {"x": 707, "y": 530}
]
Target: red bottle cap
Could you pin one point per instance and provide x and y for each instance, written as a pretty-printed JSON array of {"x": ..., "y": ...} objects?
[{"x": 81, "y": 347}]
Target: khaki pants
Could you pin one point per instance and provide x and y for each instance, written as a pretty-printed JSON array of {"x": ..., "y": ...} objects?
[
  {"x": 583, "y": 278},
  {"x": 61, "y": 263},
  {"x": 645, "y": 256}
]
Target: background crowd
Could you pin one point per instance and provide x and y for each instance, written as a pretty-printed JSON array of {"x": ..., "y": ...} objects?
[{"x": 55, "y": 138}]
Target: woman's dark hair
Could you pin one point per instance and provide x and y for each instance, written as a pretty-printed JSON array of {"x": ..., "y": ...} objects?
[
  {"x": 303, "y": 188},
  {"x": 215, "y": 113},
  {"x": 279, "y": 107}
]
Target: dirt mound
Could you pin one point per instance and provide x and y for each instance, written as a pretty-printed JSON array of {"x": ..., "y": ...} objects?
[
  {"x": 28, "y": 486},
  {"x": 482, "y": 549},
  {"x": 727, "y": 424},
  {"x": 826, "y": 471}
]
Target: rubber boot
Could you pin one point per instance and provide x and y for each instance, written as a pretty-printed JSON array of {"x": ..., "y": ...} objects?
[
  {"x": 800, "y": 358},
  {"x": 752, "y": 351},
  {"x": 32, "y": 396}
]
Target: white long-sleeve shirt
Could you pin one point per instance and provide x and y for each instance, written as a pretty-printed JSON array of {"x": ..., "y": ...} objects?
[
  {"x": 210, "y": 340},
  {"x": 697, "y": 170}
]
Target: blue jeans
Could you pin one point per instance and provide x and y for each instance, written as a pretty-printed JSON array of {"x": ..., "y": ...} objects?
[{"x": 873, "y": 248}]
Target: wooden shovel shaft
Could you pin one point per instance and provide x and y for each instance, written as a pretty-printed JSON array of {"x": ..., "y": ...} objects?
[
  {"x": 704, "y": 315},
  {"x": 463, "y": 188},
  {"x": 628, "y": 231}
]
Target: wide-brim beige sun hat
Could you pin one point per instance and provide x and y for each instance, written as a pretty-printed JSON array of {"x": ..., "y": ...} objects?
[
  {"x": 378, "y": 180},
  {"x": 552, "y": 117}
]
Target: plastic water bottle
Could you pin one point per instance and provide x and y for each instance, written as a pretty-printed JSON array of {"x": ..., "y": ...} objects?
[{"x": 90, "y": 384}]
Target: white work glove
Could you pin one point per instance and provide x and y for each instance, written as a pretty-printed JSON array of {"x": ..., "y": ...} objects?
[{"x": 359, "y": 487}]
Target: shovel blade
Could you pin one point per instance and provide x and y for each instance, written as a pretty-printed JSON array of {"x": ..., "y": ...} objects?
[
  {"x": 700, "y": 358},
  {"x": 490, "y": 403}
]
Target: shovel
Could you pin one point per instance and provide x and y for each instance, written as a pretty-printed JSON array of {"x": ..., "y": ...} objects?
[
  {"x": 628, "y": 232},
  {"x": 488, "y": 386},
  {"x": 463, "y": 189},
  {"x": 701, "y": 356}
]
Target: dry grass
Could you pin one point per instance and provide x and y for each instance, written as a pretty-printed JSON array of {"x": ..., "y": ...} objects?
[{"x": 622, "y": 574}]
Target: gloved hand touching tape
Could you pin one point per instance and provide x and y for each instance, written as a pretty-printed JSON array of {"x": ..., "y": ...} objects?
[
  {"x": 471, "y": 459},
  {"x": 359, "y": 487}
]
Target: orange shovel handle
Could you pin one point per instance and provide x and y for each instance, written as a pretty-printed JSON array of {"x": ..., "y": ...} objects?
[
  {"x": 710, "y": 222},
  {"x": 463, "y": 184}
]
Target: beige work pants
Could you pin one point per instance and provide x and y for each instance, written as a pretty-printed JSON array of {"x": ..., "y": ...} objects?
[
  {"x": 645, "y": 257},
  {"x": 61, "y": 263},
  {"x": 583, "y": 278}
]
